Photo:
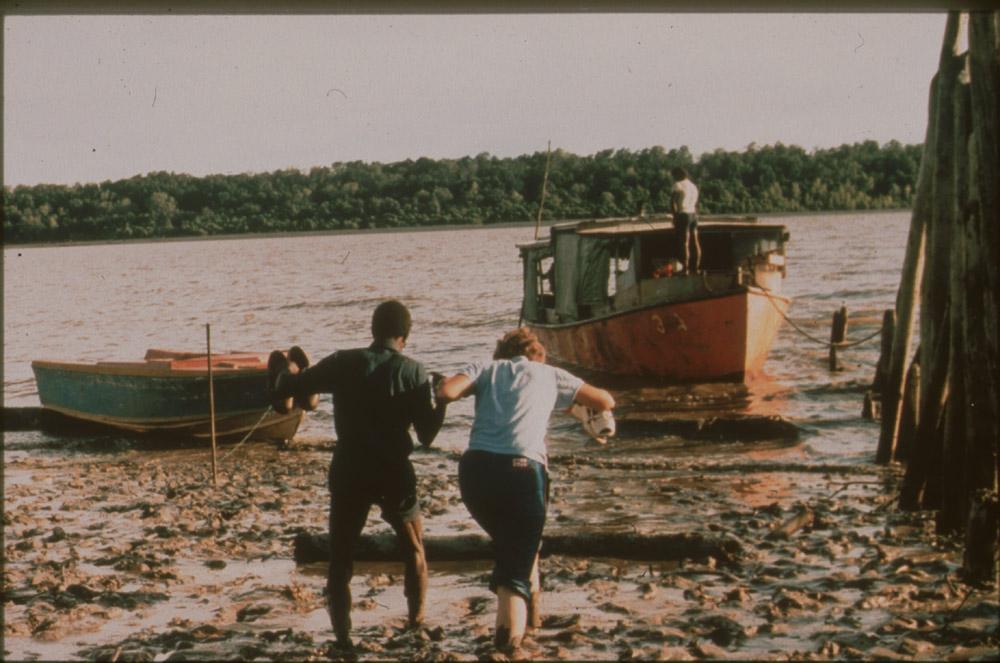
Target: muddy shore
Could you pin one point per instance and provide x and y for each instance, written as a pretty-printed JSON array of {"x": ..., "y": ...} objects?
[{"x": 131, "y": 554}]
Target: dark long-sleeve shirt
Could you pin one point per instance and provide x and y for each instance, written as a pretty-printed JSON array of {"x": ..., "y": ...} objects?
[{"x": 378, "y": 393}]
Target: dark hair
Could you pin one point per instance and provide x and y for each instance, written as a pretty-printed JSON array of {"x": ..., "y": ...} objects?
[
  {"x": 521, "y": 341},
  {"x": 678, "y": 173},
  {"x": 391, "y": 319}
]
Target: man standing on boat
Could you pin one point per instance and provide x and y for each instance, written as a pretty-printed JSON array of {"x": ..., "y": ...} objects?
[
  {"x": 684, "y": 205},
  {"x": 377, "y": 394}
]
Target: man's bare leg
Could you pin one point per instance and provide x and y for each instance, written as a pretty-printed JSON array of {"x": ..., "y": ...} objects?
[{"x": 415, "y": 561}]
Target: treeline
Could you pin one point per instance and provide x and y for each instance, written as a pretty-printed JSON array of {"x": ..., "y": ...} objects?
[{"x": 472, "y": 190}]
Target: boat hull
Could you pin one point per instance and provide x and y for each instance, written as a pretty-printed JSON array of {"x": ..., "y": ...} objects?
[
  {"x": 720, "y": 338},
  {"x": 148, "y": 401}
]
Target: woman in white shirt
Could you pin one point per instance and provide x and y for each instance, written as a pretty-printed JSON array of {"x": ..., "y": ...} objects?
[{"x": 503, "y": 475}]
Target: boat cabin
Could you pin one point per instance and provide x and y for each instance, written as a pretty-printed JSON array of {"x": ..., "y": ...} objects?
[{"x": 591, "y": 269}]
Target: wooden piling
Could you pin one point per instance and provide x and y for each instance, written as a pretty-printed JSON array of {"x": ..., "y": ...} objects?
[
  {"x": 909, "y": 415},
  {"x": 982, "y": 290},
  {"x": 953, "y": 513},
  {"x": 838, "y": 334},
  {"x": 909, "y": 285},
  {"x": 921, "y": 488},
  {"x": 873, "y": 397},
  {"x": 885, "y": 352},
  {"x": 953, "y": 465}
]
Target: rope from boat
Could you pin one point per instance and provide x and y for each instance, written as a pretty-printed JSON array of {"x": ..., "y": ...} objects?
[
  {"x": 827, "y": 344},
  {"x": 247, "y": 436}
]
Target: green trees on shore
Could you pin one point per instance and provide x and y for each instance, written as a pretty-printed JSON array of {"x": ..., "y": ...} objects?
[{"x": 472, "y": 190}]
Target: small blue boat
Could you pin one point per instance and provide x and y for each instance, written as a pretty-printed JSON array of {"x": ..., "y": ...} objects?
[{"x": 167, "y": 393}]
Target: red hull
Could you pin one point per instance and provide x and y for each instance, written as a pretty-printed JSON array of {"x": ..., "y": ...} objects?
[{"x": 721, "y": 338}]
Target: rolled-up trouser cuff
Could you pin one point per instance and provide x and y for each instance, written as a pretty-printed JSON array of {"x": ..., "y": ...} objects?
[{"x": 507, "y": 496}]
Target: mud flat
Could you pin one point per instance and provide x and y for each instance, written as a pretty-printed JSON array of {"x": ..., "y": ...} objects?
[{"x": 130, "y": 554}]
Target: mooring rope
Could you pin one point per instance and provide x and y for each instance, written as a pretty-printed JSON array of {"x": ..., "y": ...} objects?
[
  {"x": 770, "y": 297},
  {"x": 247, "y": 436}
]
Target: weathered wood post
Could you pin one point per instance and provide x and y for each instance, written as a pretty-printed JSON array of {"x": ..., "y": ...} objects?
[
  {"x": 981, "y": 281},
  {"x": 874, "y": 395},
  {"x": 909, "y": 415},
  {"x": 954, "y": 467},
  {"x": 909, "y": 284},
  {"x": 953, "y": 513},
  {"x": 922, "y": 483},
  {"x": 838, "y": 333}
]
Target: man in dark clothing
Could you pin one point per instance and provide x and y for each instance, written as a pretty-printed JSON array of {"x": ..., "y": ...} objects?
[{"x": 377, "y": 394}]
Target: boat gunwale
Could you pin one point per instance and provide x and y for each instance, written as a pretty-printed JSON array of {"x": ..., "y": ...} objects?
[
  {"x": 167, "y": 425},
  {"x": 743, "y": 290},
  {"x": 158, "y": 369}
]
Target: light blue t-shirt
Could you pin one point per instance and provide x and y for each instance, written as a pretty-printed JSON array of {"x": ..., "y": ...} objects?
[{"x": 514, "y": 398}]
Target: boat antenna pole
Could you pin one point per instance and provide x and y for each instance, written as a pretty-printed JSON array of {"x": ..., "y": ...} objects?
[
  {"x": 211, "y": 399},
  {"x": 545, "y": 182}
]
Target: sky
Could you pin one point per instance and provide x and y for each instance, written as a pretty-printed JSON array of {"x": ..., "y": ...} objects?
[{"x": 96, "y": 98}]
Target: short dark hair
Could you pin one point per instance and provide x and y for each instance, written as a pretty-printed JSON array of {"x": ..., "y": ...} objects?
[
  {"x": 678, "y": 173},
  {"x": 520, "y": 342},
  {"x": 391, "y": 319}
]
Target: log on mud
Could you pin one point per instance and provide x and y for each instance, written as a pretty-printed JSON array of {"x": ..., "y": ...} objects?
[
  {"x": 314, "y": 547},
  {"x": 803, "y": 519},
  {"x": 39, "y": 418},
  {"x": 746, "y": 428}
]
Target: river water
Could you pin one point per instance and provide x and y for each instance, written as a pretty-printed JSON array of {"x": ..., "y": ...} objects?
[{"x": 113, "y": 301}]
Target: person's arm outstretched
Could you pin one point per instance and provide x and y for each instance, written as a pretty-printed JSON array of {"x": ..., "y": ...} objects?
[
  {"x": 595, "y": 398},
  {"x": 453, "y": 388}
]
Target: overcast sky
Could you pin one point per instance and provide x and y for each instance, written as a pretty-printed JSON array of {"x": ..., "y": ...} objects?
[{"x": 94, "y": 98}]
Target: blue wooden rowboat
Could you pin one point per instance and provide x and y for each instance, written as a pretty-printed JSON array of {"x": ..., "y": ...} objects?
[{"x": 167, "y": 394}]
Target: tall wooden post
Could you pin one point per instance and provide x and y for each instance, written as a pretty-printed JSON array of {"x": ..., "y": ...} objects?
[
  {"x": 982, "y": 290},
  {"x": 954, "y": 466},
  {"x": 909, "y": 285},
  {"x": 921, "y": 486}
]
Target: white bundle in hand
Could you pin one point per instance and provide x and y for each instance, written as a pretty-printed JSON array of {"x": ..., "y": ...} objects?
[{"x": 598, "y": 425}]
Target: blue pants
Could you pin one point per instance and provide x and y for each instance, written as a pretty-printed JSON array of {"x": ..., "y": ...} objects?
[{"x": 507, "y": 496}]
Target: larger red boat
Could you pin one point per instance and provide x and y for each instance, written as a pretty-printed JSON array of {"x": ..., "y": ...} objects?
[{"x": 607, "y": 296}]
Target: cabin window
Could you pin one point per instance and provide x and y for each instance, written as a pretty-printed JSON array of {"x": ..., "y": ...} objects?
[{"x": 546, "y": 276}]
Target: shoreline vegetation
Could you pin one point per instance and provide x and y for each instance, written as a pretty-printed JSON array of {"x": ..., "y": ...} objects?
[
  {"x": 470, "y": 191},
  {"x": 376, "y": 231}
]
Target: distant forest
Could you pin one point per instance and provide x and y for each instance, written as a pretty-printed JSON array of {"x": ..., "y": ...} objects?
[{"x": 472, "y": 190}]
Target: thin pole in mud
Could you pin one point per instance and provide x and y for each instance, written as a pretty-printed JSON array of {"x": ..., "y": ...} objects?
[
  {"x": 211, "y": 399},
  {"x": 545, "y": 183}
]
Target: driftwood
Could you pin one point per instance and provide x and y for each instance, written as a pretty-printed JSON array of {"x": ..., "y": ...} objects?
[
  {"x": 803, "y": 519},
  {"x": 314, "y": 547},
  {"x": 747, "y": 428}
]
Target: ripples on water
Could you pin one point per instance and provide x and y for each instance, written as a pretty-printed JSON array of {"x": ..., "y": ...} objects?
[{"x": 101, "y": 302}]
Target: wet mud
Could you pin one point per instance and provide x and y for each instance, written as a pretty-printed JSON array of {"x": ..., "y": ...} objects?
[{"x": 118, "y": 553}]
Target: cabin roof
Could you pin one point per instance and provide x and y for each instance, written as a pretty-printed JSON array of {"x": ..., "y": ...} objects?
[{"x": 621, "y": 227}]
